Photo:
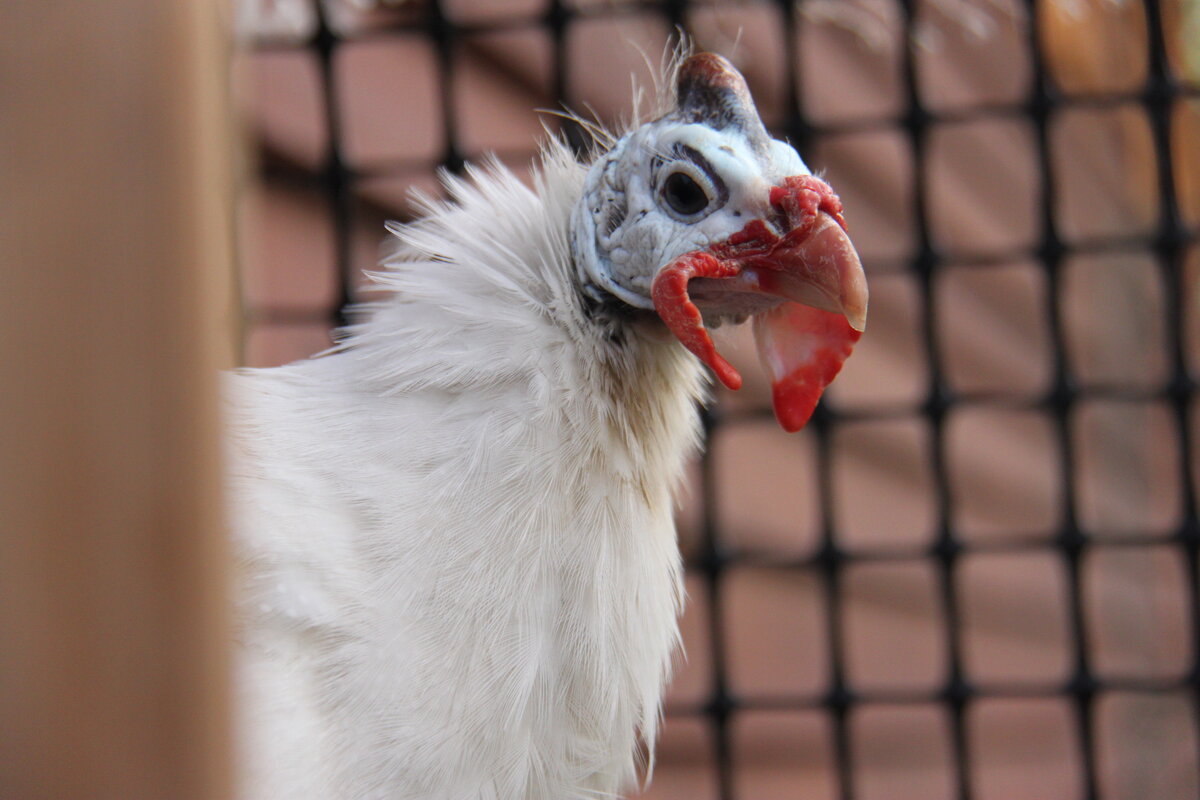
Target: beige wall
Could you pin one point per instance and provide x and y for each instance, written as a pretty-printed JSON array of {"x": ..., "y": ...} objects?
[{"x": 114, "y": 237}]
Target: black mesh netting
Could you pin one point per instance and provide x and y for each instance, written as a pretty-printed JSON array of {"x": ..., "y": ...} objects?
[{"x": 975, "y": 574}]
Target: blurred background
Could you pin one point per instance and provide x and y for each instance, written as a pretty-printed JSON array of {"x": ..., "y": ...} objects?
[{"x": 975, "y": 575}]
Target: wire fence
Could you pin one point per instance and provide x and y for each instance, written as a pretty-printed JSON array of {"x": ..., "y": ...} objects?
[{"x": 995, "y": 590}]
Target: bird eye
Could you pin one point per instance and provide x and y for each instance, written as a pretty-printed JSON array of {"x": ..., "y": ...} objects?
[{"x": 684, "y": 195}]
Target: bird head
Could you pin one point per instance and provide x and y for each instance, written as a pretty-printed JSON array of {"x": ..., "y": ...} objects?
[{"x": 702, "y": 217}]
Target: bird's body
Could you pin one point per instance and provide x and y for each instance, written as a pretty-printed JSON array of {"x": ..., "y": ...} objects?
[
  {"x": 462, "y": 577},
  {"x": 458, "y": 575}
]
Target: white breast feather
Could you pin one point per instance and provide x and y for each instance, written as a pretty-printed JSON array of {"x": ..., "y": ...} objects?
[{"x": 458, "y": 568}]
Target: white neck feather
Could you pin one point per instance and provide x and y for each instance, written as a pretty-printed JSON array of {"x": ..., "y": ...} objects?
[{"x": 510, "y": 456}]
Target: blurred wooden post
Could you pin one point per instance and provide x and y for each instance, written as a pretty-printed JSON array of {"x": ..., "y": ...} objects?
[{"x": 115, "y": 248}]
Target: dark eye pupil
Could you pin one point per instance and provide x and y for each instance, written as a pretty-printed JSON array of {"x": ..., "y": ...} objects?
[{"x": 684, "y": 195}]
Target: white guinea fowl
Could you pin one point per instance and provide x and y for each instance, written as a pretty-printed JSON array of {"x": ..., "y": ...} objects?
[{"x": 458, "y": 574}]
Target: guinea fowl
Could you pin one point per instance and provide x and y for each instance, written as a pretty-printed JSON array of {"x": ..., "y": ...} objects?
[{"x": 458, "y": 571}]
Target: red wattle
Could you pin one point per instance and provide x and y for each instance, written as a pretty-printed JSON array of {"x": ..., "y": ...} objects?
[
  {"x": 670, "y": 295},
  {"x": 802, "y": 349}
]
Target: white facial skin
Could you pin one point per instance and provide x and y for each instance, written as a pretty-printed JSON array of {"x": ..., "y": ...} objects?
[{"x": 625, "y": 226}]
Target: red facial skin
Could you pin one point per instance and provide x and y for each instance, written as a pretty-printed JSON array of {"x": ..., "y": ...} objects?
[{"x": 802, "y": 347}]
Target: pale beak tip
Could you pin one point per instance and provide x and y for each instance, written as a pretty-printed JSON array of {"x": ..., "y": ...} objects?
[{"x": 857, "y": 319}]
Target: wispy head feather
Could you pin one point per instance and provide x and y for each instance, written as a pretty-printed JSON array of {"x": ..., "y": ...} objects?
[{"x": 646, "y": 103}]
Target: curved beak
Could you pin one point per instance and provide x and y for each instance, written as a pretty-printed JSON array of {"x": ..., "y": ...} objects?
[
  {"x": 809, "y": 264},
  {"x": 819, "y": 268}
]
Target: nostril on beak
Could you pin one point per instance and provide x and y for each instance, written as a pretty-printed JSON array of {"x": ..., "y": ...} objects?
[{"x": 778, "y": 221}]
